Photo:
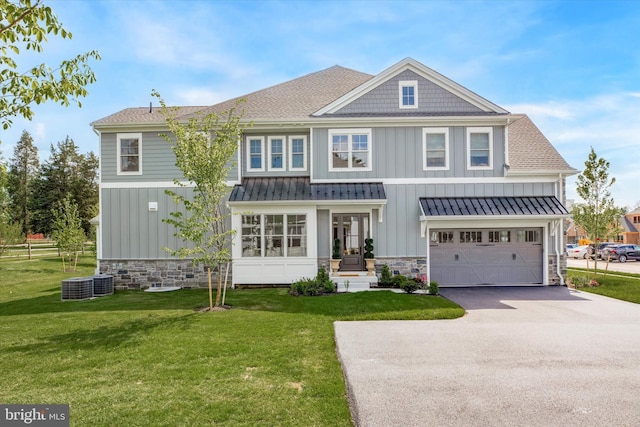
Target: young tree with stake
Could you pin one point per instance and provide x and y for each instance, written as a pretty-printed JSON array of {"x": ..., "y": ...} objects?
[{"x": 204, "y": 148}]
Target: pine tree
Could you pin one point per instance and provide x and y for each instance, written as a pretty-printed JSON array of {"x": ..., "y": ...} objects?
[
  {"x": 23, "y": 170},
  {"x": 66, "y": 172}
]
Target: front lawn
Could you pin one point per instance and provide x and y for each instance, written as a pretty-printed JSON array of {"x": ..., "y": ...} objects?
[
  {"x": 139, "y": 358},
  {"x": 622, "y": 286}
]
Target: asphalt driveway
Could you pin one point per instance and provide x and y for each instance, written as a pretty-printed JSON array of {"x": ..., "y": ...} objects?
[{"x": 531, "y": 356}]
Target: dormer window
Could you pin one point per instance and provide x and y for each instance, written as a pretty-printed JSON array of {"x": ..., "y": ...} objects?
[{"x": 408, "y": 93}]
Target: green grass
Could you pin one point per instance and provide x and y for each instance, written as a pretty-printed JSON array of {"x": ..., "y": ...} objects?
[
  {"x": 622, "y": 286},
  {"x": 140, "y": 359}
]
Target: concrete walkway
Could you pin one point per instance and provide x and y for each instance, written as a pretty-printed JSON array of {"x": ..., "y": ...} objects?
[{"x": 539, "y": 356}]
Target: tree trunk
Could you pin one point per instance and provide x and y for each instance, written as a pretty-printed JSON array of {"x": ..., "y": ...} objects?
[
  {"x": 218, "y": 291},
  {"x": 210, "y": 289}
]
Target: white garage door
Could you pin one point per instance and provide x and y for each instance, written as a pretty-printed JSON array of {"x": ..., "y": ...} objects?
[{"x": 486, "y": 257}]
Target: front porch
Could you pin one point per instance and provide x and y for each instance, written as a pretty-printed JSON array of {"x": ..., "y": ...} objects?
[{"x": 358, "y": 280}]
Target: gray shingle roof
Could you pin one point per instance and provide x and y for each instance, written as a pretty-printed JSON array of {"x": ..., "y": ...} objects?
[
  {"x": 530, "y": 150},
  {"x": 141, "y": 115},
  {"x": 298, "y": 98},
  {"x": 482, "y": 206},
  {"x": 301, "y": 189}
]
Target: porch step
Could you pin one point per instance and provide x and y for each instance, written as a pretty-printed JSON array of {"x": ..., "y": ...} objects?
[{"x": 358, "y": 281}]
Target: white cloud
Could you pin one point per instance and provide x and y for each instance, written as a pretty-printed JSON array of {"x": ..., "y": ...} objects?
[{"x": 609, "y": 123}]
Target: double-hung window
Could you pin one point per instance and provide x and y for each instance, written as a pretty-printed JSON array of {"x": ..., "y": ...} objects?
[
  {"x": 297, "y": 153},
  {"x": 350, "y": 150},
  {"x": 435, "y": 148},
  {"x": 408, "y": 93},
  {"x": 479, "y": 148},
  {"x": 276, "y": 153},
  {"x": 129, "y": 146},
  {"x": 255, "y": 153}
]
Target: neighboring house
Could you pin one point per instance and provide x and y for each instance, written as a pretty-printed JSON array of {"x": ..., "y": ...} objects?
[
  {"x": 575, "y": 233},
  {"x": 448, "y": 184},
  {"x": 630, "y": 225}
]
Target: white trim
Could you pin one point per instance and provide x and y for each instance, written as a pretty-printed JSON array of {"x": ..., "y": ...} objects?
[
  {"x": 262, "y": 154},
  {"x": 423, "y": 71},
  {"x": 480, "y": 130},
  {"x": 283, "y": 139},
  {"x": 350, "y": 133},
  {"x": 407, "y": 83},
  {"x": 452, "y": 180},
  {"x": 119, "y": 137},
  {"x": 435, "y": 131},
  {"x": 155, "y": 184},
  {"x": 304, "y": 152}
]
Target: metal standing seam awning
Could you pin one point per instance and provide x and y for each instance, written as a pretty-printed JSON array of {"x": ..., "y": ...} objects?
[
  {"x": 503, "y": 208},
  {"x": 276, "y": 190}
]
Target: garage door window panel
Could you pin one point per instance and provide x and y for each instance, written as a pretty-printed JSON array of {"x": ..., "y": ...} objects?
[{"x": 471, "y": 237}]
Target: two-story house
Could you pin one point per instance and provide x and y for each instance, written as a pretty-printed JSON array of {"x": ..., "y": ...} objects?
[{"x": 448, "y": 184}]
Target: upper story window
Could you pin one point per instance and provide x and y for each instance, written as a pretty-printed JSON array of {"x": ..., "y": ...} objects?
[
  {"x": 298, "y": 153},
  {"x": 350, "y": 149},
  {"x": 435, "y": 148},
  {"x": 129, "y": 146},
  {"x": 276, "y": 153},
  {"x": 255, "y": 153},
  {"x": 408, "y": 92},
  {"x": 479, "y": 148}
]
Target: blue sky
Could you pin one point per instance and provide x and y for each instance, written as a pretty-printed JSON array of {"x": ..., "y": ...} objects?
[{"x": 572, "y": 66}]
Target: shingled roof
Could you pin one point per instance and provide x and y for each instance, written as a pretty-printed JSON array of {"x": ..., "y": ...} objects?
[{"x": 531, "y": 151}]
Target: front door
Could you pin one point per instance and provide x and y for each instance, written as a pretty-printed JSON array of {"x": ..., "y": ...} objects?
[{"x": 351, "y": 229}]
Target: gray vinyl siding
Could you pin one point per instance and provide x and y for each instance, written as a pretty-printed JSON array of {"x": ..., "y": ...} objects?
[
  {"x": 431, "y": 99},
  {"x": 397, "y": 153},
  {"x": 399, "y": 232},
  {"x": 266, "y": 172},
  {"x": 158, "y": 160},
  {"x": 130, "y": 231}
]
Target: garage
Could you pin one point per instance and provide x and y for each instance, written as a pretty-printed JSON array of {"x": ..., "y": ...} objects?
[
  {"x": 486, "y": 256},
  {"x": 486, "y": 241}
]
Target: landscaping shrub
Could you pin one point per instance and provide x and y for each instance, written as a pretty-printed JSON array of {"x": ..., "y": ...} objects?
[
  {"x": 580, "y": 280},
  {"x": 433, "y": 287},
  {"x": 409, "y": 285},
  {"x": 320, "y": 285},
  {"x": 385, "y": 276}
]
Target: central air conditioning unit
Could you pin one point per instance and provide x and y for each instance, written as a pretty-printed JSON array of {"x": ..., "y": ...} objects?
[{"x": 77, "y": 288}]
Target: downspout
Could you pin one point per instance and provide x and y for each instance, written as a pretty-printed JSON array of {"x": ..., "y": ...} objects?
[{"x": 560, "y": 236}]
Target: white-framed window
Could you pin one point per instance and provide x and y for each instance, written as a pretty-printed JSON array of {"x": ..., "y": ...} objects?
[
  {"x": 298, "y": 153},
  {"x": 408, "y": 93},
  {"x": 435, "y": 148},
  {"x": 274, "y": 235},
  {"x": 277, "y": 156},
  {"x": 479, "y": 148},
  {"x": 350, "y": 149},
  {"x": 129, "y": 153},
  {"x": 255, "y": 154}
]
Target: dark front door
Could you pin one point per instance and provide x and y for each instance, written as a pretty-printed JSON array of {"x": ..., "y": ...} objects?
[{"x": 351, "y": 229}]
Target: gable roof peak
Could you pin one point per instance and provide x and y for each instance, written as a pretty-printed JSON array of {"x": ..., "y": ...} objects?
[{"x": 422, "y": 70}]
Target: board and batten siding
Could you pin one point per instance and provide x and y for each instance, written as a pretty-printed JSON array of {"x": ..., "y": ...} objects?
[
  {"x": 158, "y": 160},
  {"x": 399, "y": 232},
  {"x": 397, "y": 153},
  {"x": 431, "y": 98}
]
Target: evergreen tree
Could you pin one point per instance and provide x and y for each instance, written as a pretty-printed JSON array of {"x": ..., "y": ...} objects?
[
  {"x": 23, "y": 169},
  {"x": 66, "y": 172}
]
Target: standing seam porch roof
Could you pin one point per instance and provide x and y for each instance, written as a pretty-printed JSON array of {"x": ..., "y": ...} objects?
[
  {"x": 301, "y": 189},
  {"x": 491, "y": 206}
]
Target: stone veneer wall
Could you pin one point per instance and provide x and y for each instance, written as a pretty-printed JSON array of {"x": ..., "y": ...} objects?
[
  {"x": 407, "y": 266},
  {"x": 142, "y": 274},
  {"x": 554, "y": 279}
]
